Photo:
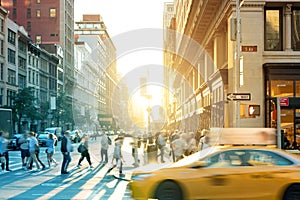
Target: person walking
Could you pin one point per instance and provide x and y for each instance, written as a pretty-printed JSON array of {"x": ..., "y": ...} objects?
[
  {"x": 33, "y": 149},
  {"x": 50, "y": 143},
  {"x": 179, "y": 145},
  {"x": 104, "y": 148},
  {"x": 66, "y": 149},
  {"x": 24, "y": 148},
  {"x": 192, "y": 144},
  {"x": 83, "y": 148},
  {"x": 118, "y": 156},
  {"x": 161, "y": 146},
  {"x": 2, "y": 150}
]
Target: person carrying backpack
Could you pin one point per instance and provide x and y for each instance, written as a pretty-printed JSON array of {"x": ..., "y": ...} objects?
[{"x": 84, "y": 150}]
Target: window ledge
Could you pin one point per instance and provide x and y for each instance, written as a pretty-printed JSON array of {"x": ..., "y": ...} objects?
[{"x": 281, "y": 53}]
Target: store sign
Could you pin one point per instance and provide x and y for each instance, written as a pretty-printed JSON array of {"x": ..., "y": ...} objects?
[
  {"x": 249, "y": 48},
  {"x": 284, "y": 101}
]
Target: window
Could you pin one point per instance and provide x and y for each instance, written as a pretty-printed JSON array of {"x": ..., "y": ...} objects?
[
  {"x": 22, "y": 63},
  {"x": 14, "y": 2},
  {"x": 29, "y": 76},
  {"x": 11, "y": 56},
  {"x": 2, "y": 25},
  {"x": 296, "y": 29},
  {"x": 14, "y": 14},
  {"x": 11, "y": 77},
  {"x": 38, "y": 1},
  {"x": 1, "y": 71},
  {"x": 38, "y": 39},
  {"x": 2, "y": 47},
  {"x": 43, "y": 82},
  {"x": 29, "y": 60},
  {"x": 22, "y": 46},
  {"x": 28, "y": 12},
  {"x": 282, "y": 88},
  {"x": 11, "y": 37},
  {"x": 273, "y": 29},
  {"x": 28, "y": 26},
  {"x": 21, "y": 81},
  {"x": 52, "y": 12},
  {"x": 246, "y": 158},
  {"x": 260, "y": 157},
  {"x": 38, "y": 13}
]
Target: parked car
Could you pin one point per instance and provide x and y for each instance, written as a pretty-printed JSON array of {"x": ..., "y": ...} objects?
[
  {"x": 55, "y": 131},
  {"x": 75, "y": 136},
  {"x": 13, "y": 142},
  {"x": 42, "y": 139}
]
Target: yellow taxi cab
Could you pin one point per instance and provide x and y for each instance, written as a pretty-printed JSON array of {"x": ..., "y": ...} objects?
[{"x": 236, "y": 171}]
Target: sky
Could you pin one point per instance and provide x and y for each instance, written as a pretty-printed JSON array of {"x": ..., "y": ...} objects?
[
  {"x": 125, "y": 16},
  {"x": 121, "y": 16}
]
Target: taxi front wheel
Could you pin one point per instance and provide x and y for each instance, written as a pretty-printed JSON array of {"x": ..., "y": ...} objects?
[
  {"x": 292, "y": 193},
  {"x": 168, "y": 190}
]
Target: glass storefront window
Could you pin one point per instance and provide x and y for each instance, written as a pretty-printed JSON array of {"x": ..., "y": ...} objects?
[
  {"x": 282, "y": 88},
  {"x": 273, "y": 29},
  {"x": 296, "y": 29},
  {"x": 287, "y": 123},
  {"x": 297, "y": 88}
]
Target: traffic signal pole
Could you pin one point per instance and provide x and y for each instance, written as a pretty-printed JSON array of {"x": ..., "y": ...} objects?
[
  {"x": 278, "y": 123},
  {"x": 237, "y": 59}
]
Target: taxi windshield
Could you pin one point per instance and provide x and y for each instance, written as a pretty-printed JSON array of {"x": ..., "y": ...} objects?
[{"x": 196, "y": 156}]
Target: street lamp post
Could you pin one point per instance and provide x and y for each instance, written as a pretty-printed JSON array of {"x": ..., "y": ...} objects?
[{"x": 237, "y": 59}]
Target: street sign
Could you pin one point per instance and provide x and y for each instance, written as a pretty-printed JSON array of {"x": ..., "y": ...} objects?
[
  {"x": 284, "y": 101},
  {"x": 239, "y": 97}
]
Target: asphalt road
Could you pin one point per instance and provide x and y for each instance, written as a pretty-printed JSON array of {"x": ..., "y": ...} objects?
[{"x": 79, "y": 184}]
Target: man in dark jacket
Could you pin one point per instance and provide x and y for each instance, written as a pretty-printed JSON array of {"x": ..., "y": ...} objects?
[{"x": 66, "y": 149}]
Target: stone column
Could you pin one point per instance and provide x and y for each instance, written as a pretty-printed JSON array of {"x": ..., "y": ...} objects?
[{"x": 288, "y": 27}]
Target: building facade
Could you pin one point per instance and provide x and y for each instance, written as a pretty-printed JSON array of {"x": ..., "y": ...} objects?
[
  {"x": 48, "y": 23},
  {"x": 92, "y": 30},
  {"x": 267, "y": 69},
  {"x": 42, "y": 69},
  {"x": 89, "y": 82}
]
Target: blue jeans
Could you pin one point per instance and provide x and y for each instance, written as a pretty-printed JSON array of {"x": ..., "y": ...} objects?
[{"x": 66, "y": 161}]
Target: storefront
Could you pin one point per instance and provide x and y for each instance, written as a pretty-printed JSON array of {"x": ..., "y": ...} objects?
[{"x": 283, "y": 80}]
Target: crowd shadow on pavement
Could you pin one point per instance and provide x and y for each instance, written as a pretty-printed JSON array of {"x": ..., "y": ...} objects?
[{"x": 68, "y": 186}]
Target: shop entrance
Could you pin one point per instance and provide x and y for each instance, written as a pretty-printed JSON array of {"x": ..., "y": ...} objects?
[{"x": 283, "y": 80}]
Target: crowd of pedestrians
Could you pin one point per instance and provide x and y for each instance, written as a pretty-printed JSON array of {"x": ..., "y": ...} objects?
[{"x": 155, "y": 147}]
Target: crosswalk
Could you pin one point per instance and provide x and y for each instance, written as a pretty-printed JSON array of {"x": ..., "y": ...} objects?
[
  {"x": 80, "y": 183},
  {"x": 94, "y": 184}
]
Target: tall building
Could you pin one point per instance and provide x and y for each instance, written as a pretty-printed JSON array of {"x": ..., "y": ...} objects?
[
  {"x": 268, "y": 68},
  {"x": 92, "y": 30},
  {"x": 3, "y": 72},
  {"x": 169, "y": 43},
  {"x": 48, "y": 23},
  {"x": 88, "y": 98}
]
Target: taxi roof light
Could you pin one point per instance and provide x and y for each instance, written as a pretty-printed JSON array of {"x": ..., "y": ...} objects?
[{"x": 242, "y": 136}]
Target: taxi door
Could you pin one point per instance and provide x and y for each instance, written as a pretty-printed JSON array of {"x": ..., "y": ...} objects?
[
  {"x": 221, "y": 178},
  {"x": 227, "y": 176}
]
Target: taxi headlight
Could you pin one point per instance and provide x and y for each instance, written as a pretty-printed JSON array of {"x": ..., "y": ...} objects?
[{"x": 140, "y": 177}]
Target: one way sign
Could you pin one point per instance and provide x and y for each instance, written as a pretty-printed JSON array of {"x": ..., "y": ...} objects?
[{"x": 239, "y": 97}]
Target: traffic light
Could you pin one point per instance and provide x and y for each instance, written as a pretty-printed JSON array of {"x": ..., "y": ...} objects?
[{"x": 254, "y": 110}]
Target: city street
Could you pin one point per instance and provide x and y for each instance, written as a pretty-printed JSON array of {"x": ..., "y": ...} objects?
[{"x": 79, "y": 184}]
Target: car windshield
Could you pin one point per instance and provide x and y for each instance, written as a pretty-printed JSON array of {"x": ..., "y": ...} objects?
[{"x": 43, "y": 136}]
